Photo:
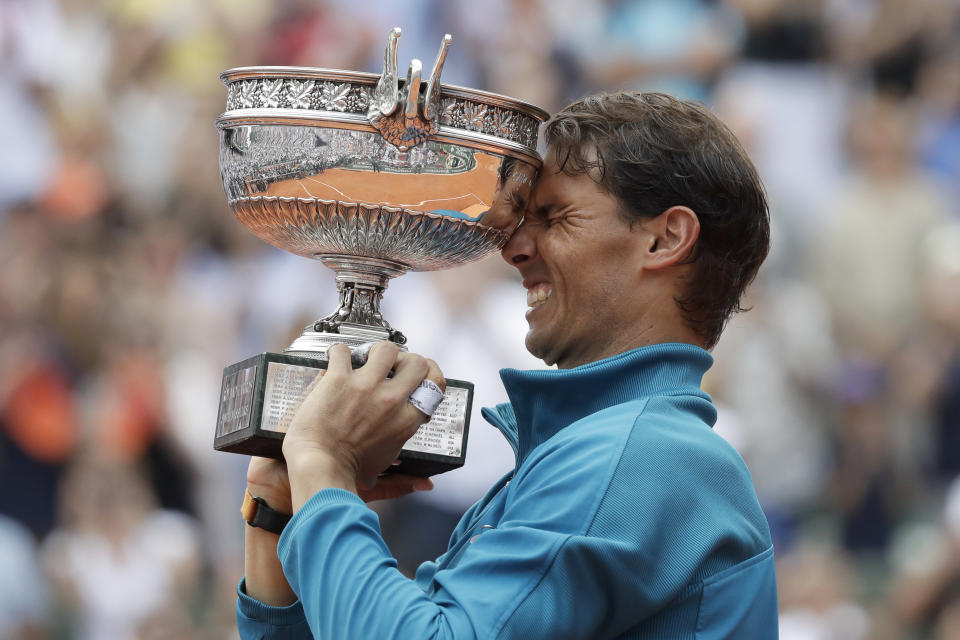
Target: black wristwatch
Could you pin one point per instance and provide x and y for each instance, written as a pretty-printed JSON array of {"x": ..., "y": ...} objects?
[{"x": 258, "y": 513}]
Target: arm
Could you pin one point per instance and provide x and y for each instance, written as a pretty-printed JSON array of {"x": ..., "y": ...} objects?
[
  {"x": 267, "y": 606},
  {"x": 264, "y": 580},
  {"x": 507, "y": 581},
  {"x": 503, "y": 580}
]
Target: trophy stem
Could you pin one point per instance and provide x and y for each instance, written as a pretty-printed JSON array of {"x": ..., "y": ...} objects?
[{"x": 361, "y": 282}]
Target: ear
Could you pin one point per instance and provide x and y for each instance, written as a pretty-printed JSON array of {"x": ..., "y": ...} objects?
[{"x": 671, "y": 237}]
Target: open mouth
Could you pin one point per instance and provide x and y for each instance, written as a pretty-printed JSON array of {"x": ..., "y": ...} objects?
[{"x": 538, "y": 294}]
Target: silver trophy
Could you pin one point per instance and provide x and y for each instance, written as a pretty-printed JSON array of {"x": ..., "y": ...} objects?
[{"x": 373, "y": 176}]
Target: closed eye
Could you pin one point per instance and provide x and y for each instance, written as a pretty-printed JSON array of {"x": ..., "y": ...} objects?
[
  {"x": 542, "y": 213},
  {"x": 555, "y": 214}
]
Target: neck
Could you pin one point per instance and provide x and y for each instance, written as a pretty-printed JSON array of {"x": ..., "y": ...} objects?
[{"x": 654, "y": 324}]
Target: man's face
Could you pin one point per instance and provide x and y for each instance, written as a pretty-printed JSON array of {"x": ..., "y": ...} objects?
[
  {"x": 511, "y": 198},
  {"x": 581, "y": 267}
]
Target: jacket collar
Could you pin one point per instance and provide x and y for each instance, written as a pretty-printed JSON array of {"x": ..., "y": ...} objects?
[{"x": 542, "y": 402}]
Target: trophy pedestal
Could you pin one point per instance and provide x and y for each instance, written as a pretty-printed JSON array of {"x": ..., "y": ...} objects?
[{"x": 258, "y": 394}]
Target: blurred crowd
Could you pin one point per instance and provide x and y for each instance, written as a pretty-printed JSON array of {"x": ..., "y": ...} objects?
[{"x": 126, "y": 286}]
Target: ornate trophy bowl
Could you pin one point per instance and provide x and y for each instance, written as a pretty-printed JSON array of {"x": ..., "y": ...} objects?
[{"x": 374, "y": 176}]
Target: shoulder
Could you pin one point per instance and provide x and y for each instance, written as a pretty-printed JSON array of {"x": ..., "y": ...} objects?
[
  {"x": 672, "y": 436},
  {"x": 652, "y": 435},
  {"x": 690, "y": 482},
  {"x": 651, "y": 488},
  {"x": 660, "y": 457},
  {"x": 586, "y": 451}
]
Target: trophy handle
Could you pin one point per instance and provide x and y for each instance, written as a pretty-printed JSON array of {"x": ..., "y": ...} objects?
[
  {"x": 417, "y": 122},
  {"x": 431, "y": 102},
  {"x": 412, "y": 87},
  {"x": 386, "y": 96}
]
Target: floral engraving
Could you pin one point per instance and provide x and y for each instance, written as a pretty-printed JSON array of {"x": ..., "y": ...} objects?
[
  {"x": 490, "y": 122},
  {"x": 474, "y": 115},
  {"x": 333, "y": 97},
  {"x": 298, "y": 93},
  {"x": 349, "y": 97},
  {"x": 527, "y": 133},
  {"x": 233, "y": 98},
  {"x": 451, "y": 113},
  {"x": 272, "y": 93},
  {"x": 505, "y": 124},
  {"x": 248, "y": 94}
]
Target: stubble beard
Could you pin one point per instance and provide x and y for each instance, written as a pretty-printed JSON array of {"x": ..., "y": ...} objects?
[{"x": 535, "y": 345}]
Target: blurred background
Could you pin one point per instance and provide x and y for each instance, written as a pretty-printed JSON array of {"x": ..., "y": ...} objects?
[{"x": 126, "y": 286}]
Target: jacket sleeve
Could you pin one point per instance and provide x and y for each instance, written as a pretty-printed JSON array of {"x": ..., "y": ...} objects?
[
  {"x": 258, "y": 621},
  {"x": 336, "y": 561}
]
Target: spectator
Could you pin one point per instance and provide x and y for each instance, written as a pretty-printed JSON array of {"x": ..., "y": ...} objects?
[
  {"x": 25, "y": 610},
  {"x": 116, "y": 559},
  {"x": 868, "y": 258}
]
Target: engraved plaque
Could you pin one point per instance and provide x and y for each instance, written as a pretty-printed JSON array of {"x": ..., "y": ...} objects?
[
  {"x": 259, "y": 397},
  {"x": 236, "y": 400},
  {"x": 286, "y": 384}
]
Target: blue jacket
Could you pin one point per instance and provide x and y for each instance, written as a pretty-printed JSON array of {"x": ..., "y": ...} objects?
[{"x": 626, "y": 517}]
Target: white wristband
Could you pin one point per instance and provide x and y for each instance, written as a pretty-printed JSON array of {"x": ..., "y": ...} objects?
[{"x": 427, "y": 397}]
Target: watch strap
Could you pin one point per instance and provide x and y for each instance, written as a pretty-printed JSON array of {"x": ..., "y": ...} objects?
[{"x": 257, "y": 513}]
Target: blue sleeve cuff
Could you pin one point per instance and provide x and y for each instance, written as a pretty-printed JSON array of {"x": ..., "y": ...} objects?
[
  {"x": 317, "y": 502},
  {"x": 251, "y": 611}
]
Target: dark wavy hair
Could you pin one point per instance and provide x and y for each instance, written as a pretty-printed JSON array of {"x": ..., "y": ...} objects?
[{"x": 652, "y": 151}]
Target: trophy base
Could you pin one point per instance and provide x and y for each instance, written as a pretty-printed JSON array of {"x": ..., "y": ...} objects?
[{"x": 257, "y": 395}]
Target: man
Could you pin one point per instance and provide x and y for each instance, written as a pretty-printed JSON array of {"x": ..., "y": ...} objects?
[{"x": 625, "y": 516}]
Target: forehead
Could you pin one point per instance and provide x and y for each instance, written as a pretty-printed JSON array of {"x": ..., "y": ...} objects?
[{"x": 558, "y": 182}]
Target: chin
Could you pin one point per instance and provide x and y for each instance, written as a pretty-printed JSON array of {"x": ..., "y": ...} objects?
[
  {"x": 539, "y": 348},
  {"x": 534, "y": 346}
]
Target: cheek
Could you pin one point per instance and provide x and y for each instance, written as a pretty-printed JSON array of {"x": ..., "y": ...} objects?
[
  {"x": 598, "y": 271},
  {"x": 589, "y": 296},
  {"x": 605, "y": 282}
]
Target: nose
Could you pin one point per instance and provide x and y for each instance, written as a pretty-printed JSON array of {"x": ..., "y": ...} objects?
[{"x": 522, "y": 245}]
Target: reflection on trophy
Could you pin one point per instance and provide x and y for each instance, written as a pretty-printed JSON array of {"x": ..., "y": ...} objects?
[{"x": 373, "y": 176}]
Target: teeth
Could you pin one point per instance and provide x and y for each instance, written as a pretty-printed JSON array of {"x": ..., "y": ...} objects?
[{"x": 538, "y": 296}]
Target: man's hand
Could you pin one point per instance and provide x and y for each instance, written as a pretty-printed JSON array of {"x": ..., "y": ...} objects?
[{"x": 353, "y": 423}]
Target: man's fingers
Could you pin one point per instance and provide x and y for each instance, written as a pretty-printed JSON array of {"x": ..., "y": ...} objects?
[
  {"x": 338, "y": 360},
  {"x": 395, "y": 486},
  {"x": 383, "y": 356},
  {"x": 408, "y": 373},
  {"x": 434, "y": 373},
  {"x": 420, "y": 380},
  {"x": 412, "y": 368}
]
